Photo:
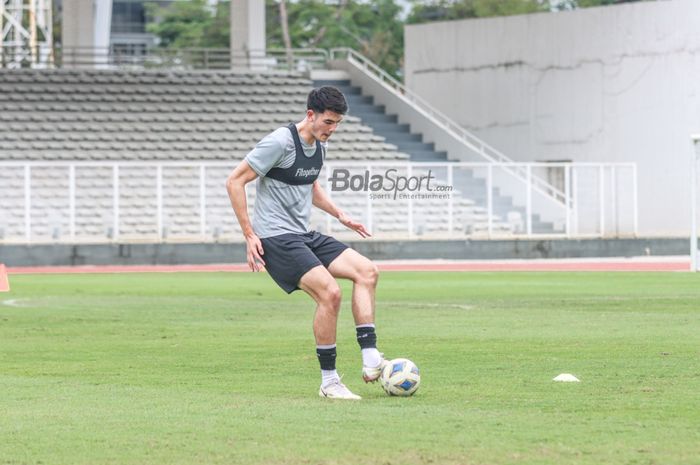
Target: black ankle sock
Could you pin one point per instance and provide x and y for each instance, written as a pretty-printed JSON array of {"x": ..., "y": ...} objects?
[
  {"x": 326, "y": 357},
  {"x": 366, "y": 337}
]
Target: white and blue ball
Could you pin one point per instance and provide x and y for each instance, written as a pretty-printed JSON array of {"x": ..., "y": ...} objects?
[{"x": 400, "y": 377}]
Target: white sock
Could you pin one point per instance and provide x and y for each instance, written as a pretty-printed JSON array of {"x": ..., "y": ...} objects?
[
  {"x": 371, "y": 358},
  {"x": 328, "y": 376}
]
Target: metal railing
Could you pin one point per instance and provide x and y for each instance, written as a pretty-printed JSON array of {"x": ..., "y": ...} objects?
[
  {"x": 186, "y": 201},
  {"x": 137, "y": 56}
]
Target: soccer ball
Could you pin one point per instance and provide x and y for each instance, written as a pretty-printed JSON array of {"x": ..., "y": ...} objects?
[{"x": 400, "y": 377}]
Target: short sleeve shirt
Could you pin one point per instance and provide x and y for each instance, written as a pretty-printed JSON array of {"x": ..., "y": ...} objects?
[{"x": 280, "y": 208}]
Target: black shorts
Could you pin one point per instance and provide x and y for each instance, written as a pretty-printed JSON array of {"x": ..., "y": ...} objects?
[{"x": 289, "y": 256}]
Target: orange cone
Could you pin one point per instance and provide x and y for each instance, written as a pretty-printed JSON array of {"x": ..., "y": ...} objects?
[{"x": 4, "y": 282}]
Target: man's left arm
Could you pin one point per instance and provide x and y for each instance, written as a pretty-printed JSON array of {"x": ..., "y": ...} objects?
[{"x": 321, "y": 200}]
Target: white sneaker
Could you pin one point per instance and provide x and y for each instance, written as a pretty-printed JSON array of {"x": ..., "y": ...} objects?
[
  {"x": 337, "y": 390},
  {"x": 371, "y": 374}
]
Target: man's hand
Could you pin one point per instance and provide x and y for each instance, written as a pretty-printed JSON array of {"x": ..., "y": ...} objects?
[
  {"x": 255, "y": 252},
  {"x": 354, "y": 225}
]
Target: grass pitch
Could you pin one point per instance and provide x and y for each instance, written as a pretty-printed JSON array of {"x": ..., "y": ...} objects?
[{"x": 220, "y": 368}]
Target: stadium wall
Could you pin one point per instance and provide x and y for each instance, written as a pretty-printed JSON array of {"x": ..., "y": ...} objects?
[
  {"x": 607, "y": 84},
  {"x": 406, "y": 113},
  {"x": 195, "y": 254}
]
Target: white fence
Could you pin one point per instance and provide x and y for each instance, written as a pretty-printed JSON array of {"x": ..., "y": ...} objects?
[{"x": 92, "y": 202}]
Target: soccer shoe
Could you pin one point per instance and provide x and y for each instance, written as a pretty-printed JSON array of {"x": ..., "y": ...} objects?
[
  {"x": 337, "y": 390},
  {"x": 371, "y": 374}
]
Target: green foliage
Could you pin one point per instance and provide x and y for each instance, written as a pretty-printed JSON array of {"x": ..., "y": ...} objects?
[
  {"x": 440, "y": 10},
  {"x": 486, "y": 8},
  {"x": 373, "y": 28},
  {"x": 588, "y": 3},
  {"x": 189, "y": 24}
]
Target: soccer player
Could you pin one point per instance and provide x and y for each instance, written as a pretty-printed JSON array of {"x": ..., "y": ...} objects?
[{"x": 286, "y": 164}]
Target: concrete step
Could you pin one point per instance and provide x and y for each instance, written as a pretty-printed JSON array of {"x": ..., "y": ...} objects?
[
  {"x": 331, "y": 82},
  {"x": 428, "y": 155},
  {"x": 350, "y": 91},
  {"x": 354, "y": 100},
  {"x": 390, "y": 128},
  {"x": 360, "y": 109},
  {"x": 370, "y": 120},
  {"x": 413, "y": 146},
  {"x": 404, "y": 136}
]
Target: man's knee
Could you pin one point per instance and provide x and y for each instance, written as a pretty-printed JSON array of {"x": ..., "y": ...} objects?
[
  {"x": 331, "y": 296},
  {"x": 369, "y": 274}
]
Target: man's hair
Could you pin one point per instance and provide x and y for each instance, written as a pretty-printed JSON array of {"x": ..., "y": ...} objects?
[{"x": 327, "y": 98}]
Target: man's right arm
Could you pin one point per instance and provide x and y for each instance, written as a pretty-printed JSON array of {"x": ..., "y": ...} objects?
[{"x": 235, "y": 185}]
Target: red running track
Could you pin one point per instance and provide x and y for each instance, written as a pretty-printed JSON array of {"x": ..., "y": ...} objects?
[{"x": 505, "y": 265}]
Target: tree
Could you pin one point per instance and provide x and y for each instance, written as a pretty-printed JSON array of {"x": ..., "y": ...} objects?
[
  {"x": 284, "y": 24},
  {"x": 189, "y": 24},
  {"x": 374, "y": 28}
]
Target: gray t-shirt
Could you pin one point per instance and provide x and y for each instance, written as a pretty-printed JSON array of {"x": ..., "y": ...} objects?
[{"x": 280, "y": 208}]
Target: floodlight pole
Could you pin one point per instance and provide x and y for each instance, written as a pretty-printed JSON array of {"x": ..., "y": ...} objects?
[
  {"x": 26, "y": 33},
  {"x": 693, "y": 202}
]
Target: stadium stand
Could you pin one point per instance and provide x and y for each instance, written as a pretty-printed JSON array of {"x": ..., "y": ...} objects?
[
  {"x": 182, "y": 121},
  {"x": 120, "y": 115}
]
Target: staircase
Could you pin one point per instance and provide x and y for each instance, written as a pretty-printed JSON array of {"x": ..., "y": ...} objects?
[
  {"x": 385, "y": 125},
  {"x": 398, "y": 134}
]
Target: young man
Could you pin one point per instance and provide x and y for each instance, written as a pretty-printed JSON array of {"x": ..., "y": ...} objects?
[{"x": 286, "y": 164}]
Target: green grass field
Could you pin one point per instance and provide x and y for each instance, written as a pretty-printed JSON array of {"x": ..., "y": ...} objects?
[{"x": 220, "y": 368}]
